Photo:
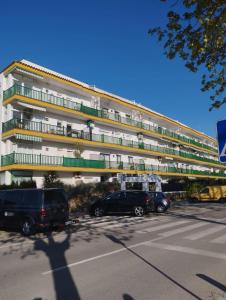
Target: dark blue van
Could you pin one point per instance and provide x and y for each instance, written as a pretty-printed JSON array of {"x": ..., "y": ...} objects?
[{"x": 31, "y": 209}]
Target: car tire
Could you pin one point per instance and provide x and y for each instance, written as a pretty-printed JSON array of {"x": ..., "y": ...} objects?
[
  {"x": 138, "y": 211},
  {"x": 27, "y": 227},
  {"x": 160, "y": 208},
  {"x": 222, "y": 200},
  {"x": 194, "y": 200},
  {"x": 98, "y": 212}
]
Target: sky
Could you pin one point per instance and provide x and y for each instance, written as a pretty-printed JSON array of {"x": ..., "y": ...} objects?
[{"x": 106, "y": 44}]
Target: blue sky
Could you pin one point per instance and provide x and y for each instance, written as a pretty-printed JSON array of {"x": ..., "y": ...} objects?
[{"x": 106, "y": 43}]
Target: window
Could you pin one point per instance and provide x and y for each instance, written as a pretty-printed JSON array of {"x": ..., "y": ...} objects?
[
  {"x": 130, "y": 159},
  {"x": 133, "y": 196},
  {"x": 205, "y": 190},
  {"x": 119, "y": 158},
  {"x": 52, "y": 197},
  {"x": 32, "y": 198},
  {"x": 105, "y": 156},
  {"x": 117, "y": 116},
  {"x": 69, "y": 130},
  {"x": 12, "y": 199},
  {"x": 128, "y": 118},
  {"x": 105, "y": 112},
  {"x": 115, "y": 196}
]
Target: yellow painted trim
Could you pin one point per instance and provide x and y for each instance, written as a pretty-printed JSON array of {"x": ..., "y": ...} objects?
[
  {"x": 102, "y": 120},
  {"x": 95, "y": 170},
  {"x": 91, "y": 91},
  {"x": 54, "y": 137}
]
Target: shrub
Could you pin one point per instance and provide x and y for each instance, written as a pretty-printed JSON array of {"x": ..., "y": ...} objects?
[
  {"x": 51, "y": 180},
  {"x": 82, "y": 195},
  {"x": 21, "y": 185}
]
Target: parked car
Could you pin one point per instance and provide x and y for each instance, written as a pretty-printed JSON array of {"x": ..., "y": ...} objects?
[
  {"x": 33, "y": 209},
  {"x": 136, "y": 202},
  {"x": 210, "y": 193}
]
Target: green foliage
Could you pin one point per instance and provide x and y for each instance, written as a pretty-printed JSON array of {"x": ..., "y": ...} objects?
[
  {"x": 78, "y": 150},
  {"x": 195, "y": 187},
  {"x": 21, "y": 185},
  {"x": 197, "y": 36},
  {"x": 51, "y": 180},
  {"x": 82, "y": 195}
]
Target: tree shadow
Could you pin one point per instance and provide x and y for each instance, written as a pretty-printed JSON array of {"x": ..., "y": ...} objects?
[
  {"x": 65, "y": 287},
  {"x": 127, "y": 297},
  {"x": 120, "y": 242},
  {"x": 212, "y": 281},
  {"x": 54, "y": 245}
]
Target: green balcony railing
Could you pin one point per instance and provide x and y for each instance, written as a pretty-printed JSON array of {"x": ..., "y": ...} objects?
[
  {"x": 102, "y": 138},
  {"x": 38, "y": 95},
  {"x": 43, "y": 160}
]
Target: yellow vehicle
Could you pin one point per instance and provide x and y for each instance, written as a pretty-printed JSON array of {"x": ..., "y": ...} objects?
[{"x": 211, "y": 193}]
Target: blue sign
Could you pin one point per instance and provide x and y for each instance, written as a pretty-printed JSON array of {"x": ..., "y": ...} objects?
[{"x": 221, "y": 137}]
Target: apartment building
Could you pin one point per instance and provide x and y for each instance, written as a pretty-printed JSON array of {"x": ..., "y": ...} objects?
[{"x": 51, "y": 122}]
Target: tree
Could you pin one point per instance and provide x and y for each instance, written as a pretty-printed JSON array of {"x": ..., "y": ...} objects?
[
  {"x": 197, "y": 36},
  {"x": 78, "y": 150},
  {"x": 51, "y": 180}
]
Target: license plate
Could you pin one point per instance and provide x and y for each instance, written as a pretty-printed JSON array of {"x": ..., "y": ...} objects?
[{"x": 8, "y": 214}]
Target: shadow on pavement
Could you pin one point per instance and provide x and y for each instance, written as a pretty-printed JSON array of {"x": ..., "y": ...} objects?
[
  {"x": 127, "y": 297},
  {"x": 65, "y": 287},
  {"x": 55, "y": 245},
  {"x": 120, "y": 242},
  {"x": 212, "y": 281}
]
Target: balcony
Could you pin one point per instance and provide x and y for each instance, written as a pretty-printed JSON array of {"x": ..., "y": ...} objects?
[
  {"x": 37, "y": 160},
  {"x": 100, "y": 113},
  {"x": 101, "y": 138}
]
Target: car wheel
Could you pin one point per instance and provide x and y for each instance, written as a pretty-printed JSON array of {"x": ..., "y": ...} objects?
[
  {"x": 194, "y": 200},
  {"x": 222, "y": 200},
  {"x": 160, "y": 208},
  {"x": 27, "y": 227},
  {"x": 138, "y": 211},
  {"x": 98, "y": 212}
]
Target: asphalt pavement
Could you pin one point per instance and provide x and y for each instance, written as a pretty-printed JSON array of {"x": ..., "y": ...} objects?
[{"x": 177, "y": 255}]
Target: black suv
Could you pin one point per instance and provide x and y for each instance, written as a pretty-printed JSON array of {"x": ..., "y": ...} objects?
[
  {"x": 136, "y": 202},
  {"x": 32, "y": 209}
]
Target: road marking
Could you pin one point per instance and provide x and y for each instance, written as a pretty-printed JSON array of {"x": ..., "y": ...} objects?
[
  {"x": 160, "y": 227},
  {"x": 126, "y": 224},
  {"x": 220, "y": 240},
  {"x": 183, "y": 229},
  {"x": 187, "y": 250},
  {"x": 204, "y": 233},
  {"x": 94, "y": 258},
  {"x": 90, "y": 221}
]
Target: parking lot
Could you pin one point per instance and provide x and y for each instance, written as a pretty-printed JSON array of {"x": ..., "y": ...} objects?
[{"x": 176, "y": 255}]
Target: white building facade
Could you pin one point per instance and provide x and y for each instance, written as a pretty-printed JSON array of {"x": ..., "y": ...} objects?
[{"x": 50, "y": 122}]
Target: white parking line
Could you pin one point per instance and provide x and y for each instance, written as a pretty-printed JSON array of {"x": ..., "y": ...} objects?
[
  {"x": 163, "y": 226},
  {"x": 187, "y": 250},
  {"x": 204, "y": 233},
  {"x": 220, "y": 240},
  {"x": 94, "y": 258},
  {"x": 131, "y": 223},
  {"x": 183, "y": 229}
]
